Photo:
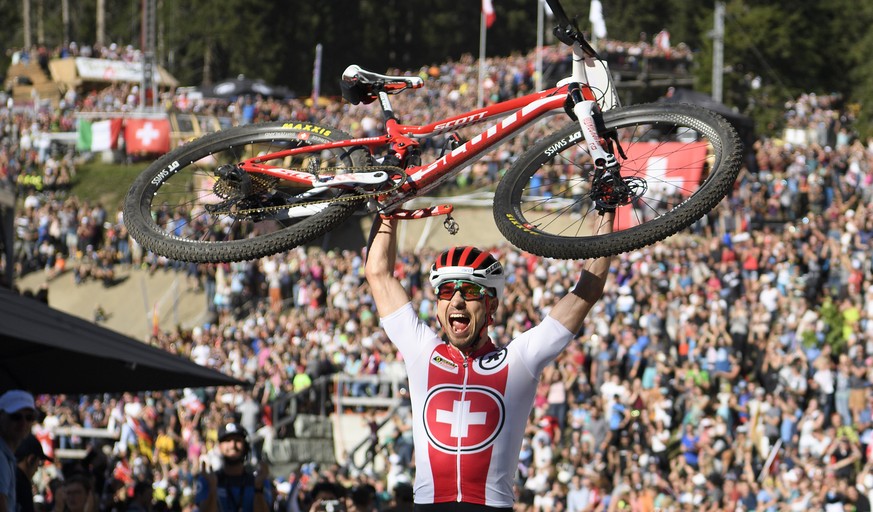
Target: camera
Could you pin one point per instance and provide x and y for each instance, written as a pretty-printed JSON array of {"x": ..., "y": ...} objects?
[{"x": 331, "y": 506}]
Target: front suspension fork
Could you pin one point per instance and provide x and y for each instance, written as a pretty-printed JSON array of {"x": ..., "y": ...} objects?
[
  {"x": 587, "y": 113},
  {"x": 608, "y": 189}
]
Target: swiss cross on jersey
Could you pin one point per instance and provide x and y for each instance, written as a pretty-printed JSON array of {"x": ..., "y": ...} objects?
[
  {"x": 463, "y": 419},
  {"x": 465, "y": 410}
]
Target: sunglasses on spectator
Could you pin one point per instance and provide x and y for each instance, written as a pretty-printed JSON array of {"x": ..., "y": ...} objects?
[
  {"x": 469, "y": 290},
  {"x": 19, "y": 416}
]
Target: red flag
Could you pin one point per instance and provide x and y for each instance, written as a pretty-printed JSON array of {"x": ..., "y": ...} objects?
[
  {"x": 147, "y": 135},
  {"x": 488, "y": 12}
]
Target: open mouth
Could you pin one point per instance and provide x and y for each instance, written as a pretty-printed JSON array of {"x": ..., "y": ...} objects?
[{"x": 459, "y": 323}]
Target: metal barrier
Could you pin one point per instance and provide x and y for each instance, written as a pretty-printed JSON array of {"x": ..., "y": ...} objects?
[
  {"x": 327, "y": 395},
  {"x": 76, "y": 453}
]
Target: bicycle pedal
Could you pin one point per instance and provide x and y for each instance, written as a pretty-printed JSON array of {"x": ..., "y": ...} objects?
[{"x": 451, "y": 225}]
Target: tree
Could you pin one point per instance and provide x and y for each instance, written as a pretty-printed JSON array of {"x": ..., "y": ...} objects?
[
  {"x": 773, "y": 50},
  {"x": 859, "y": 64}
]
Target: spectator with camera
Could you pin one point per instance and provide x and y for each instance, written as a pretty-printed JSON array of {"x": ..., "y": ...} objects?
[
  {"x": 235, "y": 487},
  {"x": 327, "y": 496}
]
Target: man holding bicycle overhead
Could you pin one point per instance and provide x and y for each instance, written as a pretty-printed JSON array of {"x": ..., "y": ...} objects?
[{"x": 470, "y": 399}]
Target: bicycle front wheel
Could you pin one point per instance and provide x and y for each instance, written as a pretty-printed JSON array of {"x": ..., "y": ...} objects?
[
  {"x": 679, "y": 162},
  {"x": 195, "y": 204}
]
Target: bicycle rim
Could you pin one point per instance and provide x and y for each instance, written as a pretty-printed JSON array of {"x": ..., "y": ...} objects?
[
  {"x": 681, "y": 160},
  {"x": 182, "y": 208}
]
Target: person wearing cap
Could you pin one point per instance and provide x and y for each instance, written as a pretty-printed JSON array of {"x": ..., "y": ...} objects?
[
  {"x": 17, "y": 414},
  {"x": 470, "y": 398},
  {"x": 234, "y": 487},
  {"x": 30, "y": 457}
]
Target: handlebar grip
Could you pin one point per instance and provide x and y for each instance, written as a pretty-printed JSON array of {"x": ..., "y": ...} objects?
[
  {"x": 568, "y": 32},
  {"x": 558, "y": 11}
]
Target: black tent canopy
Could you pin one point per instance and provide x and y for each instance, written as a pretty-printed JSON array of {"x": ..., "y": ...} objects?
[
  {"x": 48, "y": 351},
  {"x": 232, "y": 88}
]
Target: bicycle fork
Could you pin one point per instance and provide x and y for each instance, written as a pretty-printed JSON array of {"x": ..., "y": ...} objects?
[
  {"x": 584, "y": 111},
  {"x": 608, "y": 189}
]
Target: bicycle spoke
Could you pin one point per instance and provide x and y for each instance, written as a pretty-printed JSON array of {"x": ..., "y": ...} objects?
[
  {"x": 198, "y": 203},
  {"x": 669, "y": 159}
]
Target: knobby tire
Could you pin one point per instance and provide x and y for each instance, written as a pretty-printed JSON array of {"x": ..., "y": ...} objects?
[
  {"x": 164, "y": 208},
  {"x": 542, "y": 204}
]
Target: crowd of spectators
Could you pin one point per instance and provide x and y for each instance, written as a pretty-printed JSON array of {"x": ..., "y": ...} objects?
[
  {"x": 41, "y": 53},
  {"x": 728, "y": 368}
]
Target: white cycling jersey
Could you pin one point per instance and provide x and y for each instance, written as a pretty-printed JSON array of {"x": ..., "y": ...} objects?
[{"x": 469, "y": 413}]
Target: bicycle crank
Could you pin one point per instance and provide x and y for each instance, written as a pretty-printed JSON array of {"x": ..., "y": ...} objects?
[
  {"x": 449, "y": 223},
  {"x": 257, "y": 197}
]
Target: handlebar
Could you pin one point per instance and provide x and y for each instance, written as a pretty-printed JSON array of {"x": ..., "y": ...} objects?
[{"x": 568, "y": 31}]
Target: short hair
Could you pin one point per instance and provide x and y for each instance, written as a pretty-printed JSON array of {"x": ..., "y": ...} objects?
[
  {"x": 79, "y": 478},
  {"x": 142, "y": 488},
  {"x": 363, "y": 494},
  {"x": 403, "y": 492},
  {"x": 326, "y": 487},
  {"x": 526, "y": 497}
]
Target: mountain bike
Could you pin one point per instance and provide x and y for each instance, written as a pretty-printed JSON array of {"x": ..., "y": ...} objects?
[{"x": 252, "y": 191}]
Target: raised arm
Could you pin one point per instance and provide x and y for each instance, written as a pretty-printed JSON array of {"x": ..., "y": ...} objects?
[
  {"x": 574, "y": 307},
  {"x": 387, "y": 291}
]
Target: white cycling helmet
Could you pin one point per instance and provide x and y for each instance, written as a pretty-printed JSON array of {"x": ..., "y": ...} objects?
[{"x": 469, "y": 264}]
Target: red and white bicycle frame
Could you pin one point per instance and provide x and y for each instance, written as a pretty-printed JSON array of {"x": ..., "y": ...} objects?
[{"x": 518, "y": 113}]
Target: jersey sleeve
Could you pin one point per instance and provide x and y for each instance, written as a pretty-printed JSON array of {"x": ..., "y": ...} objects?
[
  {"x": 408, "y": 333},
  {"x": 540, "y": 345}
]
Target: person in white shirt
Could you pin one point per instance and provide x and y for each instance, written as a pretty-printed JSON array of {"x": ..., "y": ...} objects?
[{"x": 470, "y": 399}]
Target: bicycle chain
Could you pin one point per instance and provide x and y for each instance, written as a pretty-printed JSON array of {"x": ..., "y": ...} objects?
[{"x": 390, "y": 169}]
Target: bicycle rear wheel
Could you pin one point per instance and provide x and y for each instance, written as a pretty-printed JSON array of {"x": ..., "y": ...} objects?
[
  {"x": 183, "y": 207},
  {"x": 681, "y": 160}
]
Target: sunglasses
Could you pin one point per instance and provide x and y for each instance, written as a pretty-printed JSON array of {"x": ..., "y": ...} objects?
[
  {"x": 19, "y": 416},
  {"x": 468, "y": 289}
]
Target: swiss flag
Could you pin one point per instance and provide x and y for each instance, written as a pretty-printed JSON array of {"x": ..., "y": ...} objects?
[
  {"x": 488, "y": 12},
  {"x": 670, "y": 166},
  {"x": 147, "y": 135}
]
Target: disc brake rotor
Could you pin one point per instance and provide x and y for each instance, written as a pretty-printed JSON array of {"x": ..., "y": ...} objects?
[{"x": 616, "y": 191}]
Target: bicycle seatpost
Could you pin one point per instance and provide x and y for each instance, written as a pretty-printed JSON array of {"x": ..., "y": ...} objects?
[{"x": 387, "y": 109}]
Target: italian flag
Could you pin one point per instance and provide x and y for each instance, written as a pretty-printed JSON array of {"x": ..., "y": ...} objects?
[{"x": 99, "y": 135}]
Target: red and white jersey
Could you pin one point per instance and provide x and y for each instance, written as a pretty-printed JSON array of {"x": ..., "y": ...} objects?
[{"x": 469, "y": 413}]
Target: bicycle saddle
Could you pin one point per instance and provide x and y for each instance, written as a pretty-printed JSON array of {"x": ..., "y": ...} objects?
[{"x": 361, "y": 86}]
